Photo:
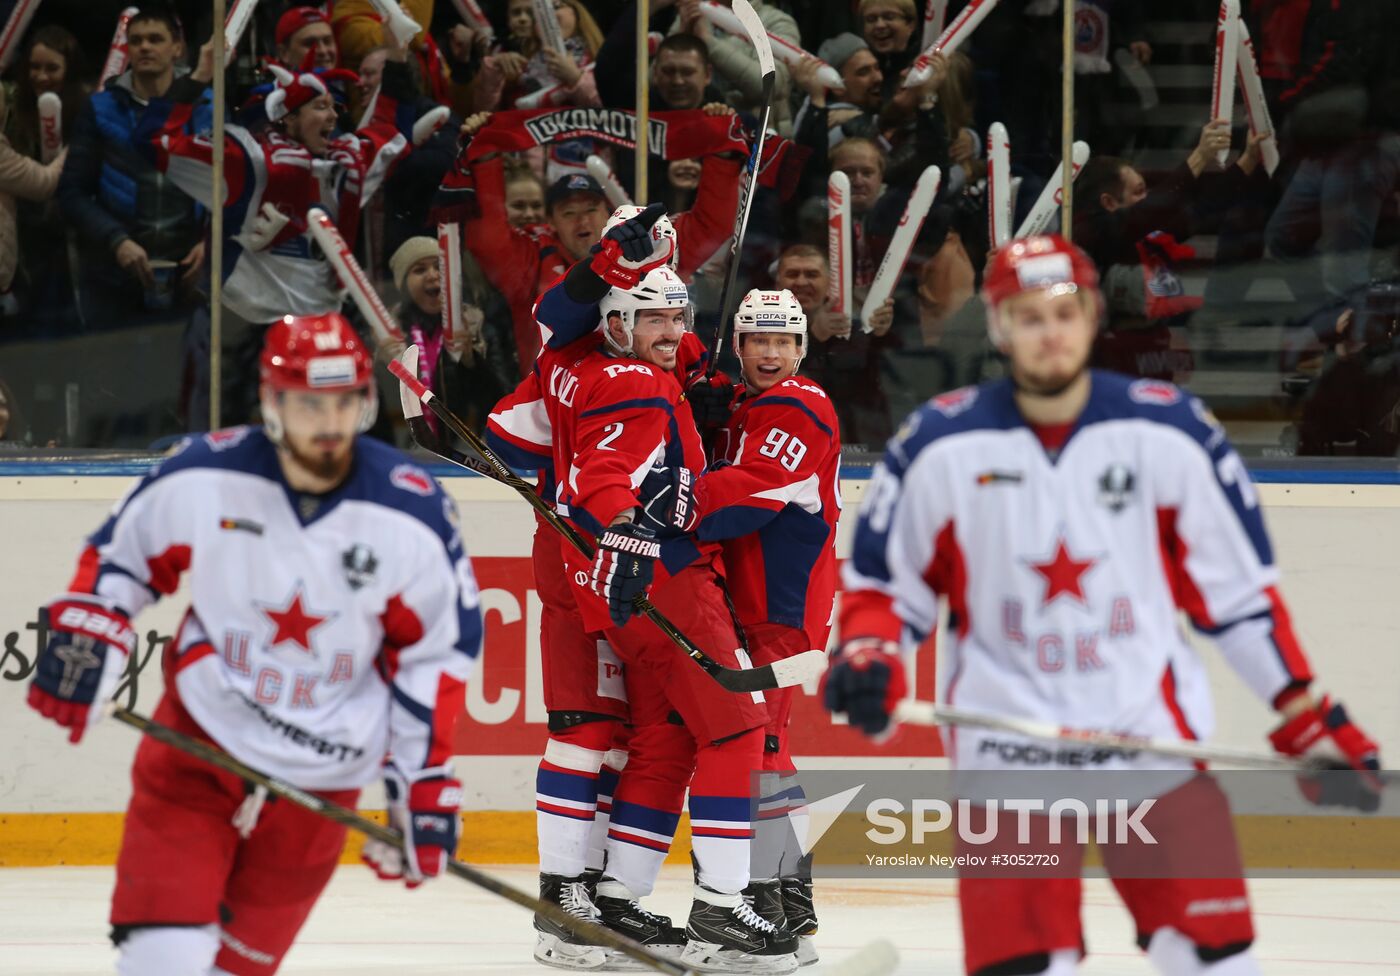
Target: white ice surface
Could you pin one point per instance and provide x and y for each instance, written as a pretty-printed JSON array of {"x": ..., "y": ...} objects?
[{"x": 53, "y": 923}]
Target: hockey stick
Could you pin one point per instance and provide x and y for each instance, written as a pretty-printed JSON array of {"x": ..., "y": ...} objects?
[
  {"x": 781, "y": 674},
  {"x": 758, "y": 36},
  {"x": 428, "y": 439},
  {"x": 878, "y": 958},
  {"x": 215, "y": 756},
  {"x": 914, "y": 712}
]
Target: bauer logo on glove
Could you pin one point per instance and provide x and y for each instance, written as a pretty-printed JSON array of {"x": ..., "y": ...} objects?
[{"x": 668, "y": 501}]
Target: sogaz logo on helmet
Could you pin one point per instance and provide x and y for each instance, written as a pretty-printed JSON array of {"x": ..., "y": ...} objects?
[
  {"x": 677, "y": 293},
  {"x": 330, "y": 371}
]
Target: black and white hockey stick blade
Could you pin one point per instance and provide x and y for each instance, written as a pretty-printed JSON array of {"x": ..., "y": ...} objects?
[
  {"x": 412, "y": 406},
  {"x": 758, "y": 36},
  {"x": 795, "y": 670}
]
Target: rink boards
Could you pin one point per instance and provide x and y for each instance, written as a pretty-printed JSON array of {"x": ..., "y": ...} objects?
[{"x": 60, "y": 804}]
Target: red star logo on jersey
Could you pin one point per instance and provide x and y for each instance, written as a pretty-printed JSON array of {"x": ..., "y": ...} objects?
[
  {"x": 294, "y": 622},
  {"x": 1063, "y": 574}
]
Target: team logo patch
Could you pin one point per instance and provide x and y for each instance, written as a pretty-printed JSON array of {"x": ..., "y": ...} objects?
[
  {"x": 241, "y": 525},
  {"x": 1154, "y": 391},
  {"x": 359, "y": 564},
  {"x": 412, "y": 478},
  {"x": 326, "y": 371},
  {"x": 955, "y": 402},
  {"x": 1045, "y": 271},
  {"x": 222, "y": 440},
  {"x": 999, "y": 477},
  {"x": 1116, "y": 486}
]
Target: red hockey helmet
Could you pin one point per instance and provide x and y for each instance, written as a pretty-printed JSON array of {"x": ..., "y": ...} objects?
[
  {"x": 1047, "y": 263},
  {"x": 317, "y": 354}
]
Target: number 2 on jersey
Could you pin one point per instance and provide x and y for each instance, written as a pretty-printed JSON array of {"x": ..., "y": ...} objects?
[
  {"x": 613, "y": 430},
  {"x": 788, "y": 450}
]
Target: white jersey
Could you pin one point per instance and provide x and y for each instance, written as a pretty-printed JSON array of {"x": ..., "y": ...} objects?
[
  {"x": 325, "y": 632},
  {"x": 1065, "y": 575}
]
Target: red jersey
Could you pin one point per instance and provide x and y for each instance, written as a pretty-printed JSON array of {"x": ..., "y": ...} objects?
[
  {"x": 613, "y": 419},
  {"x": 776, "y": 507}
]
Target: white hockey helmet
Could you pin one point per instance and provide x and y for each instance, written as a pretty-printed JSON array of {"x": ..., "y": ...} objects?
[
  {"x": 771, "y": 311},
  {"x": 661, "y": 288},
  {"x": 662, "y": 230}
]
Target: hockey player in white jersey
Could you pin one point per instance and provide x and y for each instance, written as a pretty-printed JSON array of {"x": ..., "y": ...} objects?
[
  {"x": 332, "y": 625},
  {"x": 1068, "y": 516}
]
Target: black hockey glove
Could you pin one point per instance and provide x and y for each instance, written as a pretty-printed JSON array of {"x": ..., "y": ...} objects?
[
  {"x": 866, "y": 681},
  {"x": 622, "y": 567},
  {"x": 668, "y": 501},
  {"x": 628, "y": 251},
  {"x": 711, "y": 401}
]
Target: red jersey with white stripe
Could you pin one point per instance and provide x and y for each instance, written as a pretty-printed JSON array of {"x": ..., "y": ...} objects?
[
  {"x": 776, "y": 506},
  {"x": 324, "y": 632},
  {"x": 1066, "y": 572}
]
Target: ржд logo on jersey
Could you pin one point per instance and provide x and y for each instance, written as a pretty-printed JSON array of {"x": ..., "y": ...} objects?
[{"x": 1116, "y": 488}]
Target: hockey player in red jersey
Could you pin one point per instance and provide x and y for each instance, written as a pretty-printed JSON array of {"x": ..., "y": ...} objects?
[
  {"x": 585, "y": 697},
  {"x": 617, "y": 414},
  {"x": 584, "y": 693},
  {"x": 773, "y": 498},
  {"x": 1068, "y": 516},
  {"x": 333, "y": 623}
]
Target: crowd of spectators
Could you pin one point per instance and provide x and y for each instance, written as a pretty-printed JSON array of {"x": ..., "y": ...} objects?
[{"x": 392, "y": 131}]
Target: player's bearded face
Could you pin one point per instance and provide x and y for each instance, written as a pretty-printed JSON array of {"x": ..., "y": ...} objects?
[
  {"x": 319, "y": 430},
  {"x": 1048, "y": 339},
  {"x": 768, "y": 358},
  {"x": 656, "y": 338}
]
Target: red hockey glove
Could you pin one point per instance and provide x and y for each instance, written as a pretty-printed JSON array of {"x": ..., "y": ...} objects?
[
  {"x": 426, "y": 810},
  {"x": 89, "y": 645},
  {"x": 668, "y": 501},
  {"x": 1349, "y": 757},
  {"x": 866, "y": 680},
  {"x": 622, "y": 567},
  {"x": 628, "y": 251}
]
